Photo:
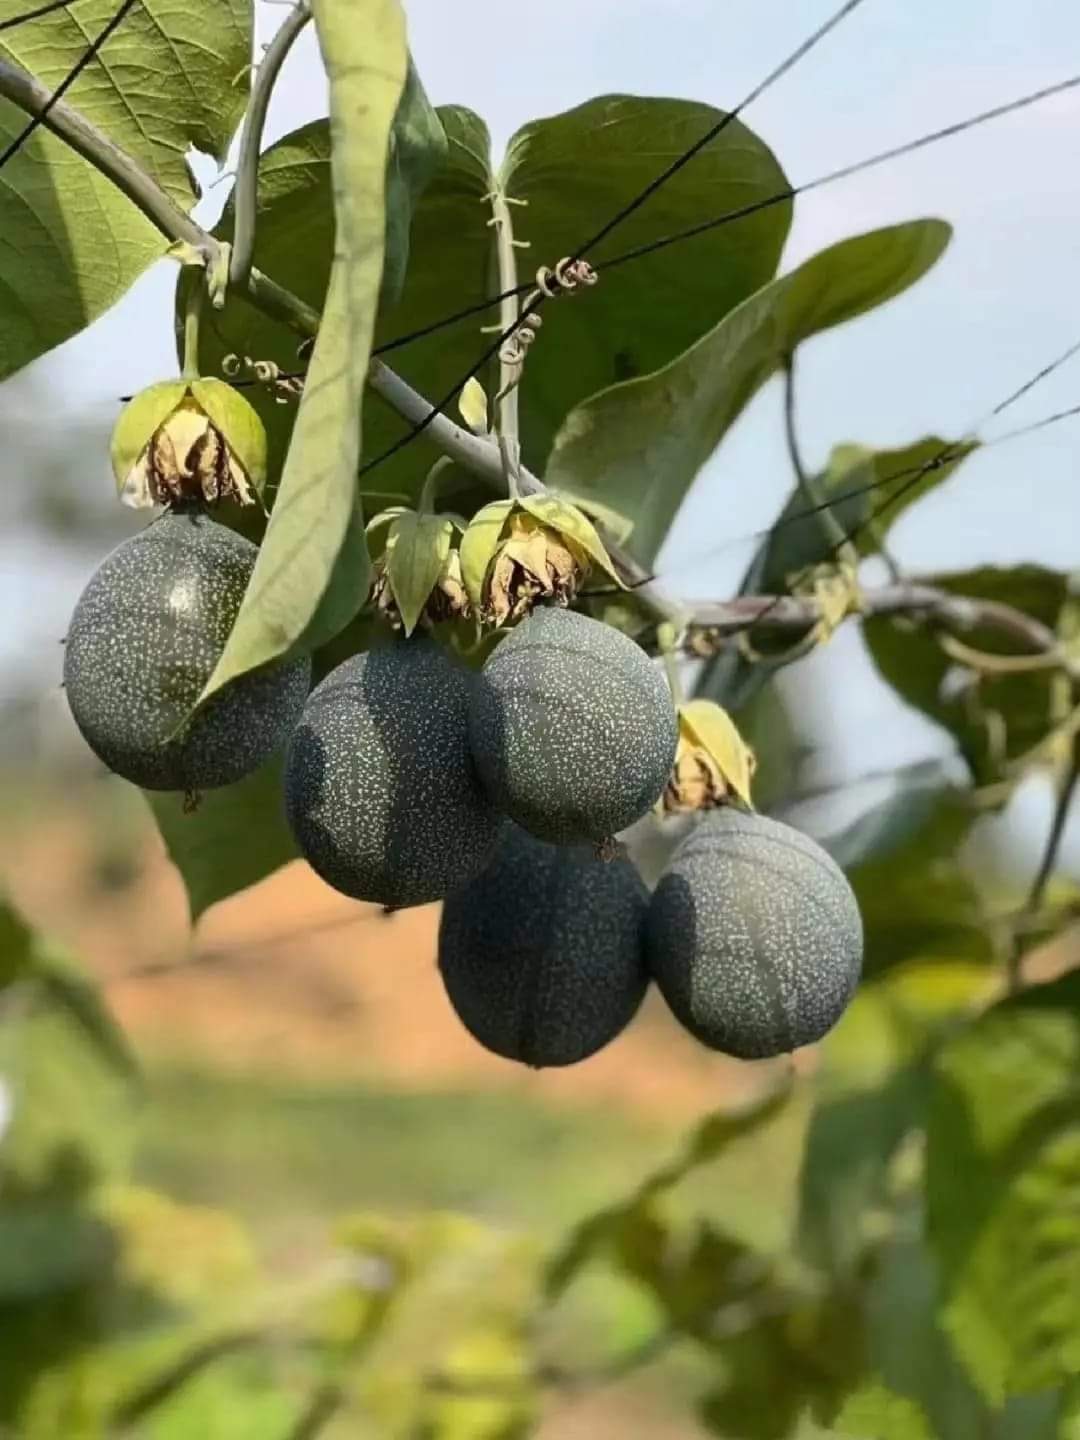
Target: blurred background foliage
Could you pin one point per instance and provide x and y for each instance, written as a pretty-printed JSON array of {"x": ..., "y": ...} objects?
[{"x": 255, "y": 1182}]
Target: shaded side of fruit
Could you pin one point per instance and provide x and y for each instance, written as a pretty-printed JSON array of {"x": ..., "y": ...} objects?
[
  {"x": 572, "y": 728},
  {"x": 145, "y": 636},
  {"x": 542, "y": 953},
  {"x": 380, "y": 789},
  {"x": 754, "y": 936}
]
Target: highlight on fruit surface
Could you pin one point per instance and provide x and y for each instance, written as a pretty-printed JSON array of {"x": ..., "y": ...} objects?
[
  {"x": 380, "y": 790},
  {"x": 143, "y": 641},
  {"x": 572, "y": 728},
  {"x": 542, "y": 953},
  {"x": 754, "y": 936}
]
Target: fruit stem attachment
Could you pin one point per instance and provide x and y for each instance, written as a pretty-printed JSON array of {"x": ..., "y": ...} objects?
[
  {"x": 193, "y": 309},
  {"x": 426, "y": 503},
  {"x": 667, "y": 640},
  {"x": 245, "y": 191}
]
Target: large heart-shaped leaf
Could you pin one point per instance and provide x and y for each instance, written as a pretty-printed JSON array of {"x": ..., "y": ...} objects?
[
  {"x": 639, "y": 445},
  {"x": 171, "y": 77},
  {"x": 576, "y": 171},
  {"x": 311, "y": 574},
  {"x": 1007, "y": 714}
]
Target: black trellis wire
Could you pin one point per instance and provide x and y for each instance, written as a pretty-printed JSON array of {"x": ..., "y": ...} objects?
[
  {"x": 36, "y": 121},
  {"x": 953, "y": 450},
  {"x": 28, "y": 15},
  {"x": 534, "y": 306}
]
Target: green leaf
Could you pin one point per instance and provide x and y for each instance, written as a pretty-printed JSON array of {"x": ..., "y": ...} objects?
[
  {"x": 576, "y": 170},
  {"x": 236, "y": 836},
  {"x": 416, "y": 553},
  {"x": 169, "y": 79},
  {"x": 1008, "y": 714},
  {"x": 874, "y": 1412},
  {"x": 311, "y": 575},
  {"x": 858, "y": 480},
  {"x": 639, "y": 445},
  {"x": 417, "y": 150},
  {"x": 1003, "y": 1191}
]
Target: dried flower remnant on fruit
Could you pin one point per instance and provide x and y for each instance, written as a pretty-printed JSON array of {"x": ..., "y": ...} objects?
[
  {"x": 533, "y": 551},
  {"x": 189, "y": 441},
  {"x": 447, "y": 601},
  {"x": 533, "y": 565},
  {"x": 713, "y": 764}
]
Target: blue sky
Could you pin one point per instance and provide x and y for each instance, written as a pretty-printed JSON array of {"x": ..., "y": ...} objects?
[{"x": 1003, "y": 301}]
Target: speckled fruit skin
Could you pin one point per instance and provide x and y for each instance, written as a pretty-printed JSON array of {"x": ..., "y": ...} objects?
[
  {"x": 754, "y": 936},
  {"x": 142, "y": 643},
  {"x": 542, "y": 954},
  {"x": 380, "y": 789},
  {"x": 572, "y": 728}
]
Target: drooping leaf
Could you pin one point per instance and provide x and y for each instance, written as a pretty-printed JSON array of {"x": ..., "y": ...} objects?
[
  {"x": 311, "y": 575},
  {"x": 1006, "y": 715},
  {"x": 639, "y": 445},
  {"x": 236, "y": 836},
  {"x": 1003, "y": 1191},
  {"x": 416, "y": 553},
  {"x": 169, "y": 78}
]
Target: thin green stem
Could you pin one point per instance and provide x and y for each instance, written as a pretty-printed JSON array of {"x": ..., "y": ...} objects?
[
  {"x": 509, "y": 314},
  {"x": 193, "y": 310},
  {"x": 812, "y": 492},
  {"x": 245, "y": 192},
  {"x": 667, "y": 641}
]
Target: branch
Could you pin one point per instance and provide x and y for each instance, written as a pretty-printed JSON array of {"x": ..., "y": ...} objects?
[
  {"x": 713, "y": 621},
  {"x": 245, "y": 192}
]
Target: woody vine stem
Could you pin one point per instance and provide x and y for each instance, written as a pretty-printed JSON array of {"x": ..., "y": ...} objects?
[{"x": 701, "y": 624}]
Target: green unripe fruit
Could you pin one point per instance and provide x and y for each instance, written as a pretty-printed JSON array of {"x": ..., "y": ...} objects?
[
  {"x": 145, "y": 637},
  {"x": 380, "y": 790},
  {"x": 572, "y": 728},
  {"x": 754, "y": 936},
  {"x": 542, "y": 953}
]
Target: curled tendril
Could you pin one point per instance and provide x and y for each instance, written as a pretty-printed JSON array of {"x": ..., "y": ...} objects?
[
  {"x": 565, "y": 278},
  {"x": 283, "y": 387}
]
